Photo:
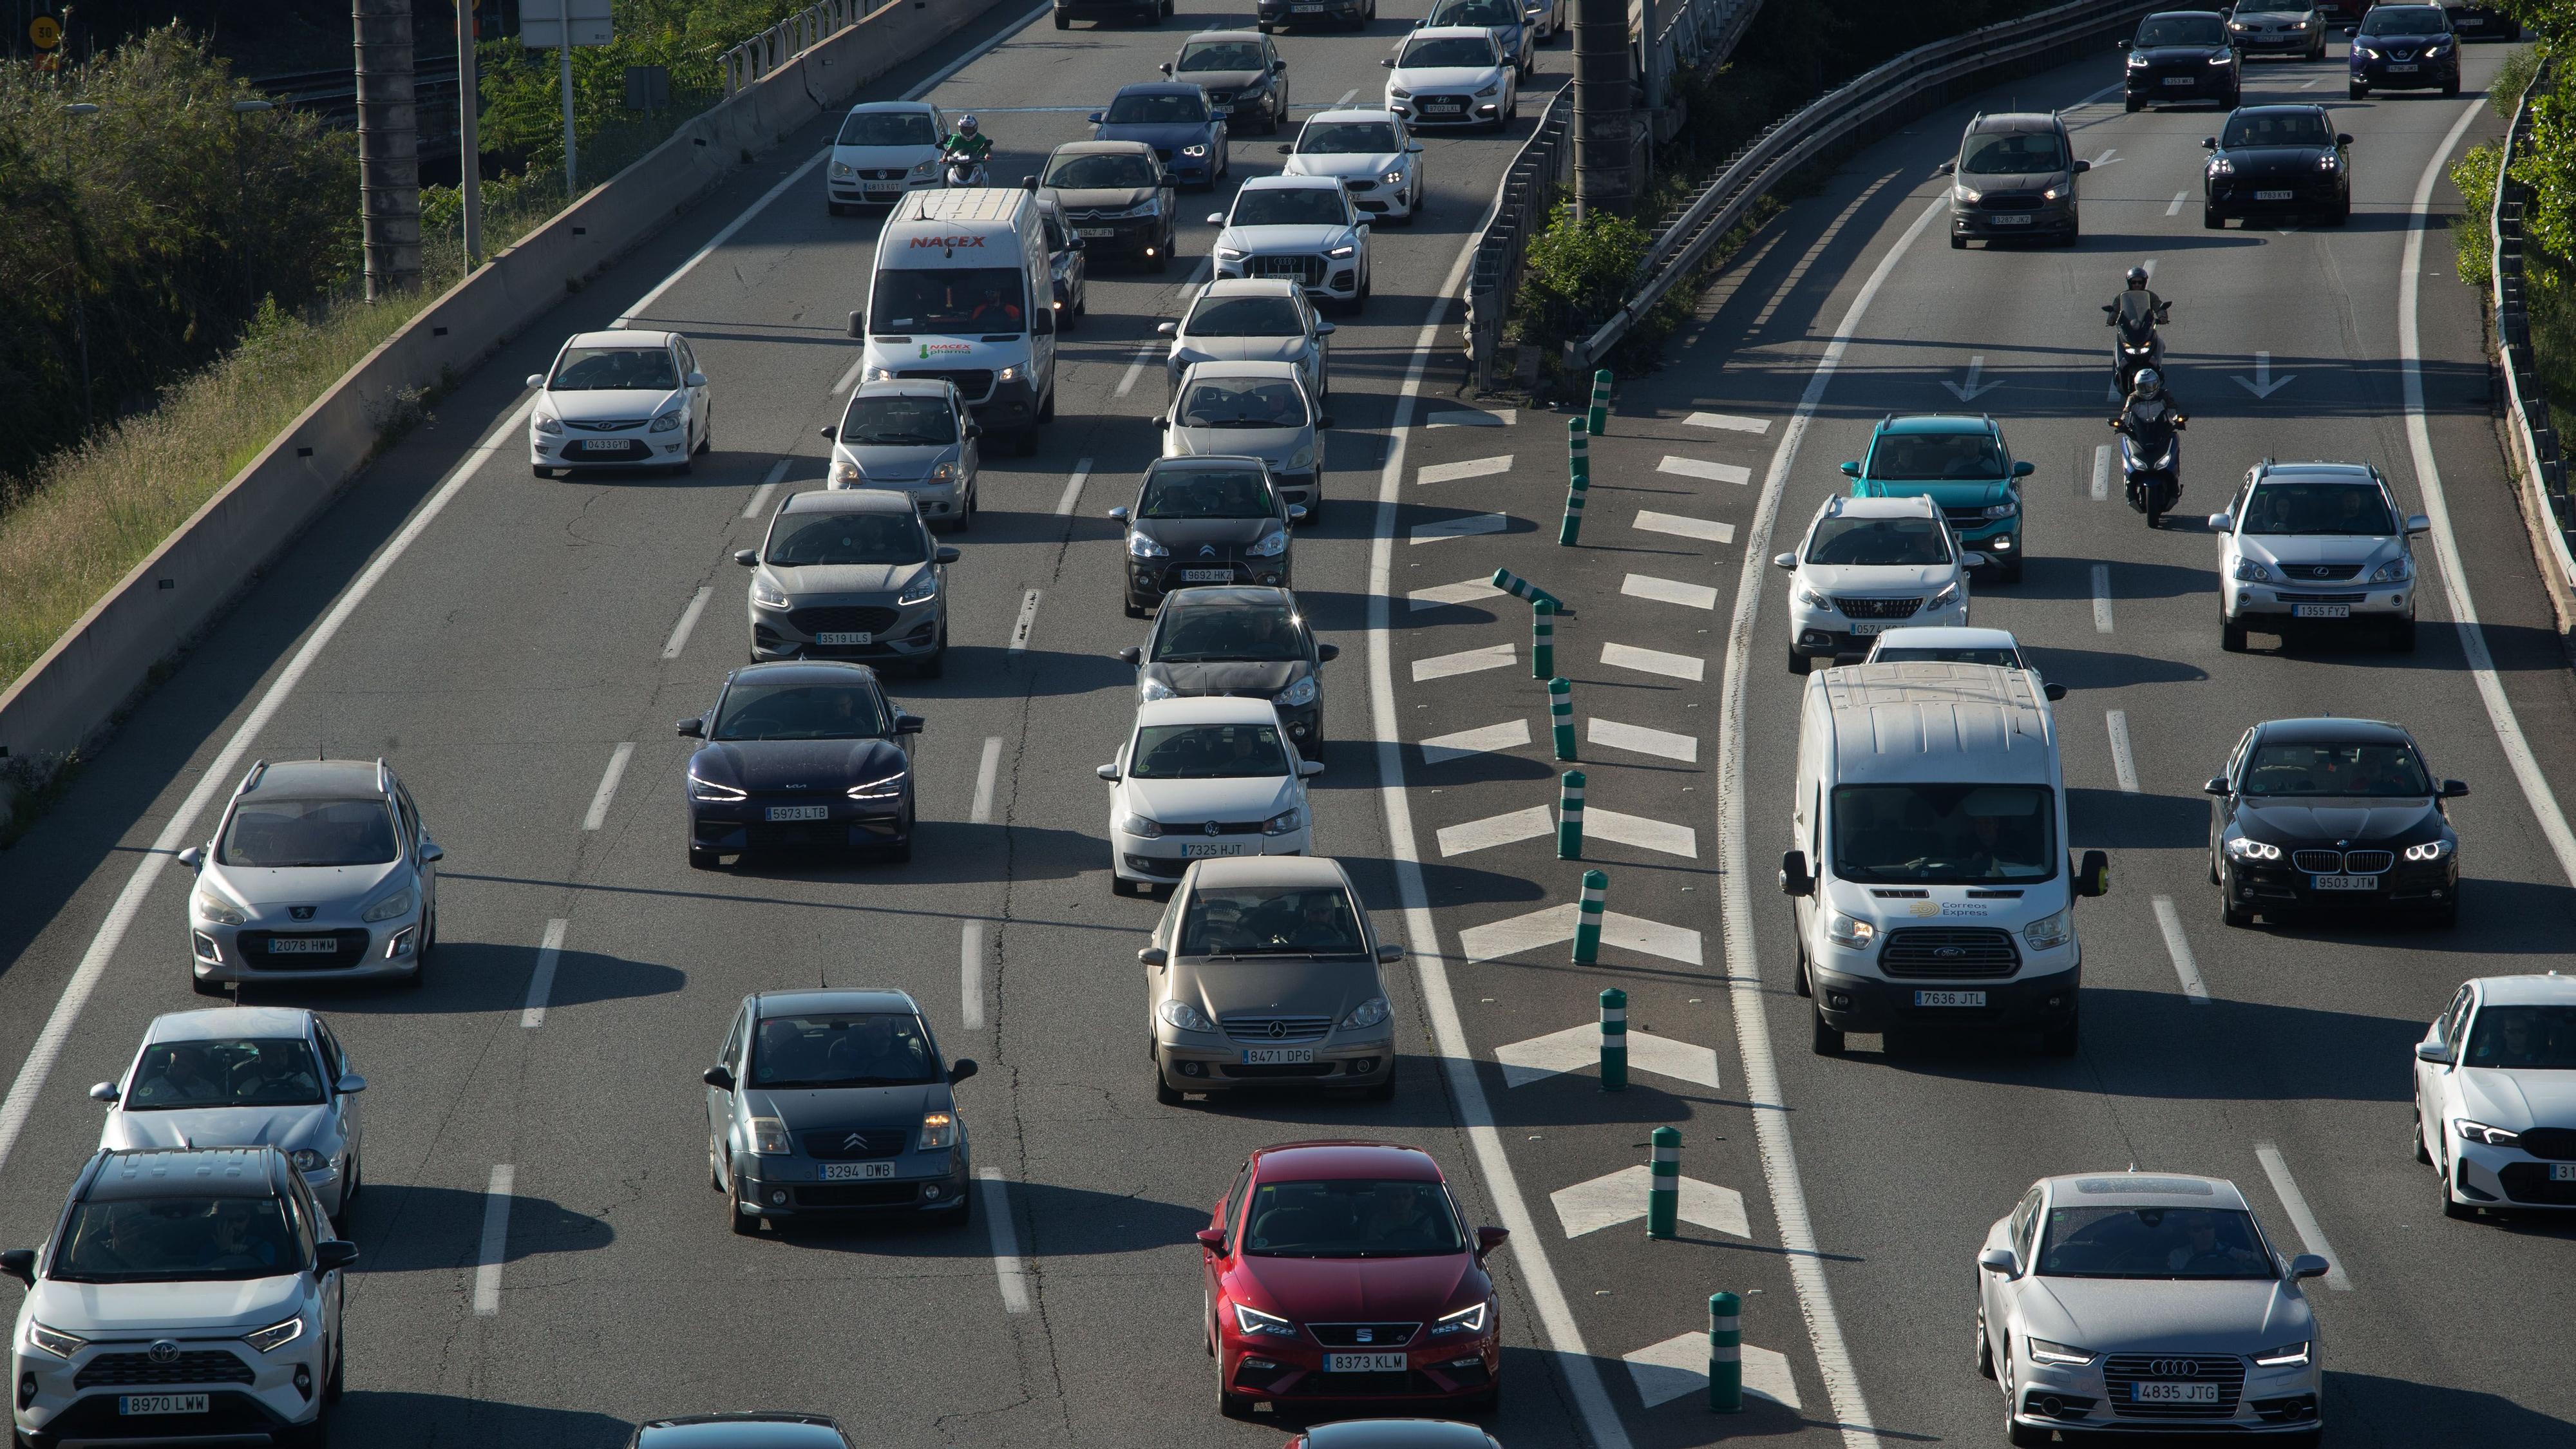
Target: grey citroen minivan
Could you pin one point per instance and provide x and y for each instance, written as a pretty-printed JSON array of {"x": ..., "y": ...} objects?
[{"x": 2015, "y": 178}]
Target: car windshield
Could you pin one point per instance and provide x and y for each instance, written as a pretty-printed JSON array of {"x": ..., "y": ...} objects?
[
  {"x": 1289, "y": 206},
  {"x": 614, "y": 369},
  {"x": 888, "y": 128},
  {"x": 1205, "y": 634},
  {"x": 2181, "y": 30},
  {"x": 1246, "y": 317},
  {"x": 2328, "y": 768},
  {"x": 1470, "y": 51},
  {"x": 2404, "y": 20},
  {"x": 812, "y": 539},
  {"x": 2012, "y": 154},
  {"x": 946, "y": 299},
  {"x": 2523, "y": 1038},
  {"x": 2153, "y": 1242},
  {"x": 1271, "y": 921},
  {"x": 1346, "y": 138},
  {"x": 1165, "y": 108},
  {"x": 1206, "y": 752},
  {"x": 1207, "y": 493},
  {"x": 1098, "y": 172},
  {"x": 898, "y": 421},
  {"x": 1351, "y": 1217},
  {"x": 1475, "y": 12},
  {"x": 2324, "y": 508},
  {"x": 242, "y": 1072},
  {"x": 1879, "y": 541},
  {"x": 279, "y": 833},
  {"x": 2276, "y": 128},
  {"x": 1932, "y": 834},
  {"x": 842, "y": 1049},
  {"x": 1936, "y": 457},
  {"x": 1221, "y": 55},
  {"x": 177, "y": 1239},
  {"x": 1918, "y": 654},
  {"x": 1243, "y": 402},
  {"x": 754, "y": 710}
]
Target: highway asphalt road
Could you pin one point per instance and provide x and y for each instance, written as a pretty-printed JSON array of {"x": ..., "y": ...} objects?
[{"x": 499, "y": 638}]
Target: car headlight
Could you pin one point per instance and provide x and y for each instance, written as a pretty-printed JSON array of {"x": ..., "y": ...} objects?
[
  {"x": 879, "y": 792},
  {"x": 2429, "y": 850},
  {"x": 843, "y": 171},
  {"x": 1283, "y": 823},
  {"x": 1271, "y": 545},
  {"x": 2002, "y": 510},
  {"x": 2222, "y": 59},
  {"x": 2221, "y": 166},
  {"x": 2326, "y": 162},
  {"x": 53, "y": 1340},
  {"x": 1254, "y": 1321},
  {"x": 1968, "y": 194},
  {"x": 1850, "y": 931},
  {"x": 666, "y": 422},
  {"x": 1393, "y": 178},
  {"x": 2395, "y": 571},
  {"x": 2136, "y": 60},
  {"x": 2298, "y": 25},
  {"x": 2052, "y": 193},
  {"x": 2252, "y": 572},
  {"x": 1298, "y": 695},
  {"x": 2481, "y": 1132},
  {"x": 701, "y": 788},
  {"x": 215, "y": 909},
  {"x": 1346, "y": 249},
  {"x": 766, "y": 594},
  {"x": 2436, "y": 48},
  {"x": 1814, "y": 600},
  {"x": 2288, "y": 1355},
  {"x": 1199, "y": 149},
  {"x": 1367, "y": 1014},
  {"x": 1179, "y": 1013},
  {"x": 1398, "y": 94},
  {"x": 548, "y": 424},
  {"x": 1231, "y": 254},
  {"x": 275, "y": 1336},
  {"x": 397, "y": 904},
  {"x": 1465, "y": 1320},
  {"x": 2364, "y": 51},
  {"x": 924, "y": 168},
  {"x": 1142, "y": 826},
  {"x": 2043, "y": 1351},
  {"x": 305, "y": 1159},
  {"x": 1302, "y": 459},
  {"x": 943, "y": 475},
  {"x": 1141, "y": 545},
  {"x": 923, "y": 588},
  {"x": 938, "y": 1130},
  {"x": 769, "y": 1137},
  {"x": 1142, "y": 208},
  {"x": 847, "y": 474},
  {"x": 1149, "y": 690},
  {"x": 2239, "y": 26},
  {"x": 2050, "y": 932},
  {"x": 1949, "y": 595},
  {"x": 1495, "y": 89},
  {"x": 2242, "y": 849},
  {"x": 1012, "y": 373}
]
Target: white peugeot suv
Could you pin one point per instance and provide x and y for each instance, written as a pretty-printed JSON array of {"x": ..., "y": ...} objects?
[
  {"x": 2318, "y": 541},
  {"x": 1868, "y": 565}
]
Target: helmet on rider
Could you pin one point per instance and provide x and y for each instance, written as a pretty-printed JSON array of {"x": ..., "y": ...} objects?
[
  {"x": 966, "y": 127},
  {"x": 2137, "y": 275},
  {"x": 2150, "y": 383}
]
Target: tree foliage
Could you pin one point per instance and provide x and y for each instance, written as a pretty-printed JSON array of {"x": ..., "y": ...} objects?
[{"x": 523, "y": 89}]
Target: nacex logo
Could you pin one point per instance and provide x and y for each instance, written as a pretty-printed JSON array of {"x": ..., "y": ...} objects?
[{"x": 948, "y": 241}]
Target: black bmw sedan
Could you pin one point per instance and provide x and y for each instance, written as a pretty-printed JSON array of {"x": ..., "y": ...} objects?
[
  {"x": 800, "y": 755},
  {"x": 2336, "y": 813},
  {"x": 2183, "y": 55},
  {"x": 1208, "y": 519},
  {"x": 2277, "y": 161}
]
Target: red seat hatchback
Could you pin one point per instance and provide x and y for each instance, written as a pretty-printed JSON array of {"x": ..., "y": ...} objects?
[{"x": 1341, "y": 1271}]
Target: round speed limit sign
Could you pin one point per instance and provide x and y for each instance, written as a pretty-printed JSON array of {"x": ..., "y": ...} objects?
[{"x": 45, "y": 31}]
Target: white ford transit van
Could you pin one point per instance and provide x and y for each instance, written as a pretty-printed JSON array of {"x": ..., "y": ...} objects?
[
  {"x": 962, "y": 293},
  {"x": 1928, "y": 866}
]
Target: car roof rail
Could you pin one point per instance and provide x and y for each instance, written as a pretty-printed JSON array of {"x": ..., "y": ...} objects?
[
  {"x": 384, "y": 777},
  {"x": 251, "y": 780}
]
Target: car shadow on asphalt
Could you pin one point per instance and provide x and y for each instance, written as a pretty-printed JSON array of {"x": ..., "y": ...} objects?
[
  {"x": 2120, "y": 820},
  {"x": 1442, "y": 885},
  {"x": 2467, "y": 1419},
  {"x": 2108, "y": 668},
  {"x": 411, "y": 1228},
  {"x": 2508, "y": 917},
  {"x": 2072, "y": 578},
  {"x": 469, "y": 977},
  {"x": 944, "y": 852},
  {"x": 984, "y": 671},
  {"x": 1056, "y": 1222},
  {"x": 388, "y": 1420}
]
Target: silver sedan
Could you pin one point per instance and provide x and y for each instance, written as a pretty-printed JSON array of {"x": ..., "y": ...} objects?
[{"x": 245, "y": 1076}]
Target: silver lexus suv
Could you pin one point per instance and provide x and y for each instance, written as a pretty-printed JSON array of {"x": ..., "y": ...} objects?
[{"x": 319, "y": 869}]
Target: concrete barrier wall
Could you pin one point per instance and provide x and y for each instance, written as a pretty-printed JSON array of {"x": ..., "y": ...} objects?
[{"x": 75, "y": 691}]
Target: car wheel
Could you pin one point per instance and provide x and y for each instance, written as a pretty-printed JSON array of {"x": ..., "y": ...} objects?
[
  {"x": 309, "y": 1435},
  {"x": 1164, "y": 1092},
  {"x": 2231, "y": 634},
  {"x": 962, "y": 1215},
  {"x": 2452, "y": 1207},
  {"x": 1799, "y": 663},
  {"x": 2213, "y": 219},
  {"x": 1488, "y": 1402},
  {"x": 1985, "y": 1349},
  {"x": 1026, "y": 443},
  {"x": 744, "y": 1224},
  {"x": 2451, "y": 87},
  {"x": 1229, "y": 1405},
  {"x": 2130, "y": 104},
  {"x": 1063, "y": 21},
  {"x": 835, "y": 208},
  {"x": 2447, "y": 916},
  {"x": 1825, "y": 1042},
  {"x": 2422, "y": 1154},
  {"x": 2341, "y": 212},
  {"x": 547, "y": 473}
]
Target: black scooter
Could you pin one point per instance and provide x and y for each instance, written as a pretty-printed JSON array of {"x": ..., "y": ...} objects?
[
  {"x": 2155, "y": 479},
  {"x": 2139, "y": 346}
]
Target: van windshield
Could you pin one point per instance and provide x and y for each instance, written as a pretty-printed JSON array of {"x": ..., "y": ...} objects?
[
  {"x": 2012, "y": 153},
  {"x": 947, "y": 299},
  {"x": 1936, "y": 834}
]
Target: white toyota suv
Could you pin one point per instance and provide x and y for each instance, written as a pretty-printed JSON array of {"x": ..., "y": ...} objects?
[
  {"x": 2319, "y": 541},
  {"x": 1868, "y": 565}
]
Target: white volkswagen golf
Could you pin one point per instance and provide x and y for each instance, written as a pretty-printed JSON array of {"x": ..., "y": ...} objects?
[
  {"x": 1868, "y": 565},
  {"x": 2495, "y": 1095},
  {"x": 1203, "y": 777}
]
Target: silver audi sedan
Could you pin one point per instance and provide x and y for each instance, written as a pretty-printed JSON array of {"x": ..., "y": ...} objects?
[
  {"x": 244, "y": 1076},
  {"x": 2146, "y": 1303}
]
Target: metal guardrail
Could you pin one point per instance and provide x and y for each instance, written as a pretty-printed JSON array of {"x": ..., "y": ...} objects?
[
  {"x": 2534, "y": 442},
  {"x": 792, "y": 37},
  {"x": 1919, "y": 75}
]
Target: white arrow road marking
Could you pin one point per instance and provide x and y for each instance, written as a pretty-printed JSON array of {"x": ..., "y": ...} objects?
[
  {"x": 1467, "y": 527},
  {"x": 2106, "y": 158},
  {"x": 2262, "y": 383},
  {"x": 1470, "y": 591},
  {"x": 1555, "y": 926},
  {"x": 1483, "y": 740},
  {"x": 1471, "y": 468},
  {"x": 1707, "y": 530},
  {"x": 1660, "y": 743},
  {"x": 1606, "y": 1202},
  {"x": 1969, "y": 390},
  {"x": 1578, "y": 1048},
  {"x": 1465, "y": 661},
  {"x": 1679, "y": 1366},
  {"x": 1510, "y": 829}
]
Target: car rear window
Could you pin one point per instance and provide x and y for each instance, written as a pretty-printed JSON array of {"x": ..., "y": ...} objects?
[{"x": 282, "y": 833}]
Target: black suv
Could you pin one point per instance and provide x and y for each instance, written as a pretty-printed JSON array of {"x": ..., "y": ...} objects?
[
  {"x": 2183, "y": 55},
  {"x": 2277, "y": 161}
]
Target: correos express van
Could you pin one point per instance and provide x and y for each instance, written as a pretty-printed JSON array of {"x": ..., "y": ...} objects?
[
  {"x": 1928, "y": 866},
  {"x": 961, "y": 292}
]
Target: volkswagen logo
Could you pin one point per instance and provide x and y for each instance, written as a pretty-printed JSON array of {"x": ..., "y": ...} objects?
[
  {"x": 1211, "y": 827},
  {"x": 2174, "y": 1368},
  {"x": 1278, "y": 1028},
  {"x": 163, "y": 1351},
  {"x": 301, "y": 913}
]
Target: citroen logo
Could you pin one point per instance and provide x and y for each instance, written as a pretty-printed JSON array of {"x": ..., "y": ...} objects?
[
  {"x": 1207, "y": 550},
  {"x": 301, "y": 913},
  {"x": 2174, "y": 1368},
  {"x": 1211, "y": 827},
  {"x": 854, "y": 1142},
  {"x": 163, "y": 1351}
]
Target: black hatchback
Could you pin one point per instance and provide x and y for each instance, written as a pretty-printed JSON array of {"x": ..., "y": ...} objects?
[
  {"x": 1251, "y": 642},
  {"x": 1208, "y": 519},
  {"x": 808, "y": 756},
  {"x": 2339, "y": 814},
  {"x": 2276, "y": 161},
  {"x": 2183, "y": 55}
]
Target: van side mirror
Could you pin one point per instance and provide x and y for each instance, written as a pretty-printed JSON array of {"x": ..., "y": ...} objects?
[
  {"x": 960, "y": 1069},
  {"x": 20, "y": 1263},
  {"x": 2309, "y": 1265},
  {"x": 104, "y": 1092},
  {"x": 1043, "y": 324},
  {"x": 2055, "y": 692},
  {"x": 1327, "y": 653},
  {"x": 1946, "y": 168},
  {"x": 694, "y": 727},
  {"x": 1795, "y": 878},
  {"x": 2024, "y": 470},
  {"x": 2080, "y": 167},
  {"x": 1154, "y": 956},
  {"x": 333, "y": 1253},
  {"x": 720, "y": 1078},
  {"x": 2093, "y": 877},
  {"x": 2434, "y": 1052},
  {"x": 1488, "y": 1239},
  {"x": 1997, "y": 1260},
  {"x": 858, "y": 324}
]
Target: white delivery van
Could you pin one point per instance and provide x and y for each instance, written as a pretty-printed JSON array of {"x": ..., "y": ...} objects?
[
  {"x": 1928, "y": 867},
  {"x": 962, "y": 293}
]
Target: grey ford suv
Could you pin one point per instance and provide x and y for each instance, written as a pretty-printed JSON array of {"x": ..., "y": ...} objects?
[{"x": 2015, "y": 177}]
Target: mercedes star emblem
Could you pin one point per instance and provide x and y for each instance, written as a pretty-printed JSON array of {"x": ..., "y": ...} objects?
[{"x": 1278, "y": 1028}]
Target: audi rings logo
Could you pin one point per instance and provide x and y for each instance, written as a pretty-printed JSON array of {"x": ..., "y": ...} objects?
[
  {"x": 163, "y": 1351},
  {"x": 2174, "y": 1368}
]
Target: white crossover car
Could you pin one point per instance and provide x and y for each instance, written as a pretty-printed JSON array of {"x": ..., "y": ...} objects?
[
  {"x": 1866, "y": 566},
  {"x": 1453, "y": 75},
  {"x": 1369, "y": 151},
  {"x": 1200, "y": 778},
  {"x": 244, "y": 1076},
  {"x": 1302, "y": 228},
  {"x": 619, "y": 400},
  {"x": 2316, "y": 541},
  {"x": 2495, "y": 1095},
  {"x": 884, "y": 149},
  {"x": 2146, "y": 1303}
]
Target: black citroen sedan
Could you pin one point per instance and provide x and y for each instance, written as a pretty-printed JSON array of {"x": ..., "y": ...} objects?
[
  {"x": 1209, "y": 519},
  {"x": 2333, "y": 813},
  {"x": 1239, "y": 641},
  {"x": 2277, "y": 161},
  {"x": 800, "y": 756},
  {"x": 2183, "y": 55}
]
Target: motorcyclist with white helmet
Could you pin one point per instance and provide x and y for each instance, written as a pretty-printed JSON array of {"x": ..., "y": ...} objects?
[
  {"x": 968, "y": 144},
  {"x": 2149, "y": 418}
]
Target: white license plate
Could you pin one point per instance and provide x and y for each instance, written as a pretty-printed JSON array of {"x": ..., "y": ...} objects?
[
  {"x": 2177, "y": 80},
  {"x": 1095, "y": 232},
  {"x": 856, "y": 1171},
  {"x": 1364, "y": 1363},
  {"x": 2401, "y": 70},
  {"x": 1949, "y": 998},
  {"x": 1213, "y": 848},
  {"x": 1278, "y": 1056},
  {"x": 2173, "y": 1393},
  {"x": 2344, "y": 882},
  {"x": 1864, "y": 628},
  {"x": 303, "y": 946},
  {"x": 161, "y": 1404},
  {"x": 799, "y": 812},
  {"x": 1207, "y": 576},
  {"x": 1442, "y": 108},
  {"x": 1306, "y": 9},
  {"x": 2562, "y": 1172},
  {"x": 885, "y": 188},
  {"x": 843, "y": 640},
  {"x": 2271, "y": 196},
  {"x": 2008, "y": 219},
  {"x": 601, "y": 445},
  {"x": 2321, "y": 611}
]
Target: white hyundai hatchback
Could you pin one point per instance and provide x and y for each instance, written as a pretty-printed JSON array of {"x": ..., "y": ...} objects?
[
  {"x": 619, "y": 400},
  {"x": 2495, "y": 1095},
  {"x": 1868, "y": 565},
  {"x": 1201, "y": 778},
  {"x": 1453, "y": 75}
]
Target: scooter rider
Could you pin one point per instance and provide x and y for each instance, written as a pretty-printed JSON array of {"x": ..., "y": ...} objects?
[
  {"x": 968, "y": 143},
  {"x": 2149, "y": 419},
  {"x": 2136, "y": 313},
  {"x": 2137, "y": 304}
]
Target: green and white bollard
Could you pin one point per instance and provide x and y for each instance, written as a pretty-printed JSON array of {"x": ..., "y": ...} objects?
[
  {"x": 1560, "y": 714},
  {"x": 1664, "y": 1183},
  {"x": 1614, "y": 1040},
  {"x": 1569, "y": 818},
  {"x": 1725, "y": 1354},
  {"x": 1578, "y": 451},
  {"x": 1521, "y": 588},
  {"x": 1600, "y": 418},
  {"x": 1571, "y": 531},
  {"x": 1587, "y": 929},
  {"x": 1542, "y": 639}
]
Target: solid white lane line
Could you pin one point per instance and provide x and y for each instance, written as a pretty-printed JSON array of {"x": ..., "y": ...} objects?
[
  {"x": 645, "y": 302},
  {"x": 2176, "y": 208},
  {"x": 1483, "y": 740},
  {"x": 1519, "y": 825},
  {"x": 679, "y": 639},
  {"x": 1028, "y": 620},
  {"x": 2178, "y": 946},
  {"x": 970, "y": 977},
  {"x": 1638, "y": 739},
  {"x": 768, "y": 485},
  {"x": 1459, "y": 472},
  {"x": 2102, "y": 473},
  {"x": 1465, "y": 661},
  {"x": 1456, "y": 1057},
  {"x": 1467, "y": 527},
  {"x": 1653, "y": 661},
  {"x": 1005, "y": 1237},
  {"x": 1746, "y": 992},
  {"x": 986, "y": 772},
  {"x": 496, "y": 1240},
  {"x": 2295, "y": 1203},
  {"x": 2101, "y": 598},
  {"x": 1711, "y": 472},
  {"x": 2455, "y": 575},
  {"x": 2124, "y": 765},
  {"x": 1073, "y": 488},
  {"x": 1136, "y": 369},
  {"x": 1707, "y": 530},
  {"x": 1470, "y": 591},
  {"x": 541, "y": 982},
  {"x": 2149, "y": 263},
  {"x": 1669, "y": 591},
  {"x": 842, "y": 387},
  {"x": 607, "y": 791},
  {"x": 1730, "y": 422}
]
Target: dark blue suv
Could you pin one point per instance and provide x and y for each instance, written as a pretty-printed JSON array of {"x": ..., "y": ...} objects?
[{"x": 2404, "y": 48}]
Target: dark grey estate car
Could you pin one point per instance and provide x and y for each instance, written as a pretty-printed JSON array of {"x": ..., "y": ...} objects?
[{"x": 2015, "y": 178}]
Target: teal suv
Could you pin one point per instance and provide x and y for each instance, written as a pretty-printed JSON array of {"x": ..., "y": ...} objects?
[{"x": 1962, "y": 465}]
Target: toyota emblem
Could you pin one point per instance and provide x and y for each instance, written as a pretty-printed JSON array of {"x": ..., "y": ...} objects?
[
  {"x": 2174, "y": 1368},
  {"x": 163, "y": 1351},
  {"x": 1211, "y": 827},
  {"x": 1278, "y": 1028},
  {"x": 301, "y": 913}
]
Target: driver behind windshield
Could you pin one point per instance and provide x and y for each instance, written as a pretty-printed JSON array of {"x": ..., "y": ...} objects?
[{"x": 1178, "y": 494}]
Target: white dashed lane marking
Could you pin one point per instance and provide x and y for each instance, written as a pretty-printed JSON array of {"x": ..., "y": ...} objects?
[
  {"x": 2101, "y": 598},
  {"x": 1471, "y": 468},
  {"x": 607, "y": 792},
  {"x": 1699, "y": 468},
  {"x": 1520, "y": 825},
  {"x": 1669, "y": 591},
  {"x": 688, "y": 624},
  {"x": 1465, "y": 661},
  {"x": 1730, "y": 422},
  {"x": 1484, "y": 740},
  {"x": 1641, "y": 740},
  {"x": 1654, "y": 661},
  {"x": 2178, "y": 946},
  {"x": 496, "y": 1240},
  {"x": 541, "y": 982},
  {"x": 1637, "y": 830},
  {"x": 2295, "y": 1203},
  {"x": 1708, "y": 530}
]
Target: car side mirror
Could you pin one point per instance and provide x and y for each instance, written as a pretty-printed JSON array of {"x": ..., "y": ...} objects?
[
  {"x": 1212, "y": 1239},
  {"x": 20, "y": 1263},
  {"x": 2222, "y": 523},
  {"x": 1028, "y": 183},
  {"x": 1167, "y": 329},
  {"x": 2055, "y": 692},
  {"x": 1974, "y": 560},
  {"x": 1278, "y": 67},
  {"x": 1297, "y": 511},
  {"x": 1488, "y": 1239},
  {"x": 858, "y": 324},
  {"x": 1216, "y": 218},
  {"x": 350, "y": 1084},
  {"x": 1795, "y": 878},
  {"x": 2342, "y": 139},
  {"x": 974, "y": 430},
  {"x": 1851, "y": 470},
  {"x": 2437, "y": 1053},
  {"x": 1412, "y": 148},
  {"x": 697, "y": 379},
  {"x": 1324, "y": 421},
  {"x": 694, "y": 727},
  {"x": 1154, "y": 956},
  {"x": 1165, "y": 68},
  {"x": 1389, "y": 63},
  {"x": 2217, "y": 785},
  {"x": 1119, "y": 513},
  {"x": 1162, "y": 425},
  {"x": 960, "y": 1069},
  {"x": 2209, "y": 143},
  {"x": 193, "y": 857},
  {"x": 747, "y": 557},
  {"x": 1043, "y": 324},
  {"x": 1785, "y": 561},
  {"x": 947, "y": 554},
  {"x": 334, "y": 1253},
  {"x": 1997, "y": 1260},
  {"x": 1946, "y": 168},
  {"x": 2352, "y": 30},
  {"x": 1093, "y": 118},
  {"x": 1327, "y": 653},
  {"x": 105, "y": 1092},
  {"x": 536, "y": 379},
  {"x": 1309, "y": 769},
  {"x": 2093, "y": 877},
  {"x": 2123, "y": 45},
  {"x": 1388, "y": 955},
  {"x": 908, "y": 724},
  {"x": 720, "y": 1078},
  {"x": 432, "y": 855},
  {"x": 2309, "y": 1265},
  {"x": 1132, "y": 654},
  {"x": 828, "y": 434},
  {"x": 2080, "y": 167},
  {"x": 1327, "y": 329},
  {"x": 2024, "y": 470},
  {"x": 1287, "y": 150},
  {"x": 2419, "y": 523},
  {"x": 2454, "y": 789},
  {"x": 1106, "y": 772}
]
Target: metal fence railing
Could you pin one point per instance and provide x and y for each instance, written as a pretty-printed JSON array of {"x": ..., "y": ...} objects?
[
  {"x": 790, "y": 38},
  {"x": 2533, "y": 441},
  {"x": 1704, "y": 32}
]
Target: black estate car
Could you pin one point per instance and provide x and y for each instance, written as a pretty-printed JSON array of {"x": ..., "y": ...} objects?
[
  {"x": 800, "y": 755},
  {"x": 2333, "y": 813},
  {"x": 1238, "y": 641},
  {"x": 2277, "y": 160},
  {"x": 2183, "y": 55}
]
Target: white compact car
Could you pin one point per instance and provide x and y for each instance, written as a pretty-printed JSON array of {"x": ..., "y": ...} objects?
[
  {"x": 619, "y": 400},
  {"x": 2495, "y": 1095},
  {"x": 1252, "y": 319},
  {"x": 1302, "y": 228},
  {"x": 1204, "y": 777},
  {"x": 1370, "y": 153},
  {"x": 884, "y": 149},
  {"x": 2316, "y": 541},
  {"x": 1453, "y": 75},
  {"x": 244, "y": 1076},
  {"x": 1866, "y": 566}
]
